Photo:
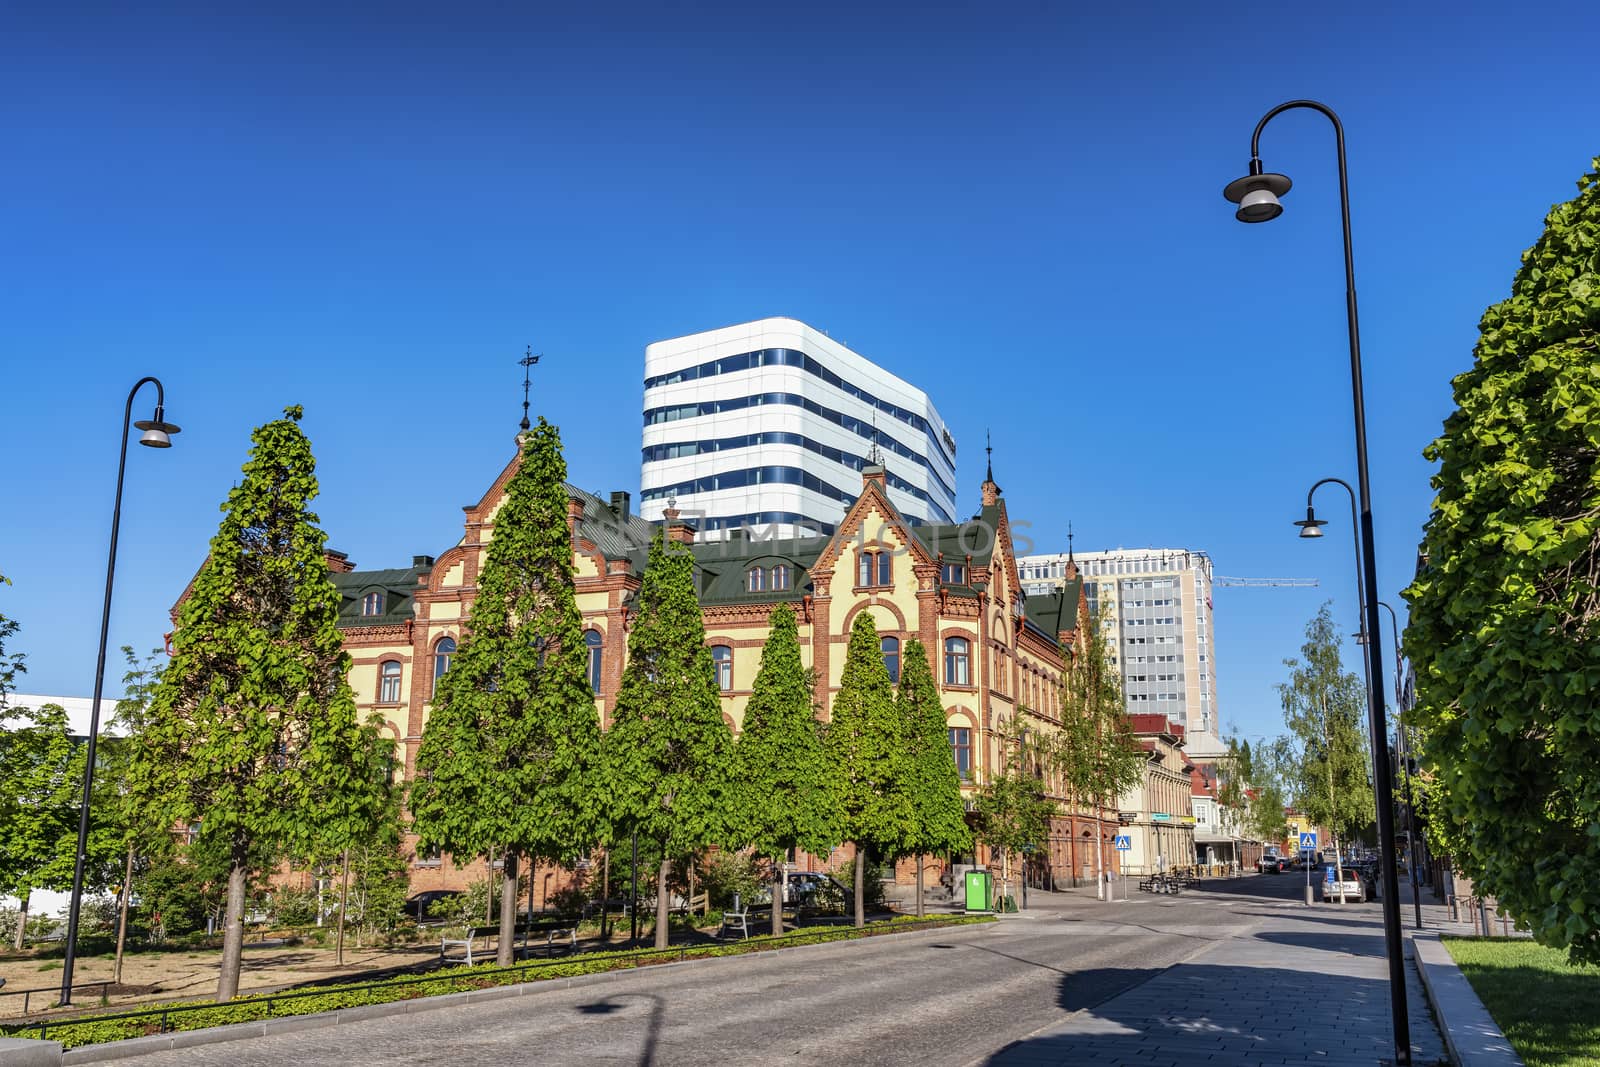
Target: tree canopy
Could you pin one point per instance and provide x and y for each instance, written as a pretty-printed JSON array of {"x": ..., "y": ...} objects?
[
  {"x": 1503, "y": 627},
  {"x": 933, "y": 785},
  {"x": 1329, "y": 775}
]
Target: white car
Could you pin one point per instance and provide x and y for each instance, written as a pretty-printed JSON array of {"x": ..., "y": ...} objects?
[{"x": 1355, "y": 890}]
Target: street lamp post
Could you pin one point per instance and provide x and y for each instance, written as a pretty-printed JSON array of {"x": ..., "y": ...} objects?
[
  {"x": 1258, "y": 195},
  {"x": 157, "y": 433},
  {"x": 1402, "y": 746}
]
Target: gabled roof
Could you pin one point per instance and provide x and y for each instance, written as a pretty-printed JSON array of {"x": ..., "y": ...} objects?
[
  {"x": 614, "y": 535},
  {"x": 1055, "y": 611},
  {"x": 397, "y": 585}
]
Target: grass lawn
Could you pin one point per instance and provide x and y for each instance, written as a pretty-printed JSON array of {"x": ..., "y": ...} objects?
[{"x": 1549, "y": 1010}]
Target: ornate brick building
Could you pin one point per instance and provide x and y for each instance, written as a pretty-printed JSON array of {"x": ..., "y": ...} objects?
[{"x": 997, "y": 654}]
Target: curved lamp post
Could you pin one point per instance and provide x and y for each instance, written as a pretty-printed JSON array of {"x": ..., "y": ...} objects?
[
  {"x": 156, "y": 433},
  {"x": 1259, "y": 196}
]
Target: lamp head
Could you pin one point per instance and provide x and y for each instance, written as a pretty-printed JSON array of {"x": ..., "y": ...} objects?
[
  {"x": 157, "y": 430},
  {"x": 1310, "y": 526},
  {"x": 1257, "y": 194}
]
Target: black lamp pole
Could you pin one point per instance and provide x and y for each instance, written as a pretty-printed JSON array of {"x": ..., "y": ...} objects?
[
  {"x": 1257, "y": 196},
  {"x": 157, "y": 434},
  {"x": 1402, "y": 747}
]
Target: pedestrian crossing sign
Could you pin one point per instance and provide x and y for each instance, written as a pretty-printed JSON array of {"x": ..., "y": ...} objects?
[
  {"x": 1124, "y": 843},
  {"x": 1308, "y": 840}
]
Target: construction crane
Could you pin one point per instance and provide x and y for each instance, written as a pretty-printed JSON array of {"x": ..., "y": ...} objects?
[{"x": 1266, "y": 583}]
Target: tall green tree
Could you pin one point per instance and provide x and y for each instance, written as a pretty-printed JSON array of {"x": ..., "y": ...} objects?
[
  {"x": 509, "y": 755},
  {"x": 866, "y": 747},
  {"x": 1253, "y": 786},
  {"x": 127, "y": 829},
  {"x": 1505, "y": 618},
  {"x": 1324, "y": 706},
  {"x": 1094, "y": 752},
  {"x": 939, "y": 822},
  {"x": 781, "y": 776},
  {"x": 1013, "y": 812},
  {"x": 253, "y": 728},
  {"x": 41, "y": 774},
  {"x": 669, "y": 754}
]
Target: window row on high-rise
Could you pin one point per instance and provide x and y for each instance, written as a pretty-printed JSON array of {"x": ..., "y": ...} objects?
[
  {"x": 740, "y": 479},
  {"x": 788, "y": 357}
]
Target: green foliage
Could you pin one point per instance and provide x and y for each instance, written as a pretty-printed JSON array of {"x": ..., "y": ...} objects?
[
  {"x": 253, "y": 728},
  {"x": 669, "y": 754},
  {"x": 781, "y": 780},
  {"x": 1503, "y": 628},
  {"x": 724, "y": 873},
  {"x": 1327, "y": 768},
  {"x": 1254, "y": 786},
  {"x": 866, "y": 750},
  {"x": 932, "y": 782},
  {"x": 1094, "y": 752},
  {"x": 509, "y": 752},
  {"x": 294, "y": 907},
  {"x": 41, "y": 777}
]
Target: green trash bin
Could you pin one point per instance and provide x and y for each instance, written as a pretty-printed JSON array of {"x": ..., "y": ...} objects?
[{"x": 980, "y": 891}]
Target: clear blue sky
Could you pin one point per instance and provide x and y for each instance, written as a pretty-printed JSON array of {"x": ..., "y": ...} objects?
[{"x": 1016, "y": 206}]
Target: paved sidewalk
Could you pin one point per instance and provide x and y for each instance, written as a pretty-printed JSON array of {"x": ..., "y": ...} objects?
[{"x": 1300, "y": 986}]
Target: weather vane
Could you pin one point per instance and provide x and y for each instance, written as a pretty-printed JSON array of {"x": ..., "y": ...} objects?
[
  {"x": 527, "y": 362},
  {"x": 988, "y": 450}
]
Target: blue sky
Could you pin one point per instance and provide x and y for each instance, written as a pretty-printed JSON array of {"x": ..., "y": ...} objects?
[{"x": 1015, "y": 206}]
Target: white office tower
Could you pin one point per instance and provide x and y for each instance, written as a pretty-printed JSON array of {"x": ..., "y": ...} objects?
[
  {"x": 1155, "y": 605},
  {"x": 768, "y": 424}
]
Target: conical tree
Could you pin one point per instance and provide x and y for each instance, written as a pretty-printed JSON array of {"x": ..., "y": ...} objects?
[
  {"x": 866, "y": 747},
  {"x": 668, "y": 754},
  {"x": 253, "y": 728},
  {"x": 932, "y": 782},
  {"x": 1505, "y": 618},
  {"x": 781, "y": 772},
  {"x": 509, "y": 756}
]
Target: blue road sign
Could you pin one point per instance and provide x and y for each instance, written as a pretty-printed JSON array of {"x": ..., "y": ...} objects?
[
  {"x": 1124, "y": 843},
  {"x": 1308, "y": 841}
]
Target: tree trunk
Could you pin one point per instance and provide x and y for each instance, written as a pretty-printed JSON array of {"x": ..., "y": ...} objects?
[
  {"x": 605, "y": 897},
  {"x": 233, "y": 927},
  {"x": 344, "y": 904},
  {"x": 122, "y": 916},
  {"x": 1338, "y": 866},
  {"x": 919, "y": 885},
  {"x": 780, "y": 889},
  {"x": 488, "y": 897},
  {"x": 1099, "y": 859},
  {"x": 663, "y": 912},
  {"x": 22, "y": 920},
  {"x": 506, "y": 955},
  {"x": 861, "y": 885}
]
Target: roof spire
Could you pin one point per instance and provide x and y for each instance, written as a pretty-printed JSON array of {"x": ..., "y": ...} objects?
[
  {"x": 988, "y": 450},
  {"x": 527, "y": 362},
  {"x": 1069, "y": 542}
]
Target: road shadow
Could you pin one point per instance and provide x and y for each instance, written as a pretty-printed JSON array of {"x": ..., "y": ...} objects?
[
  {"x": 652, "y": 1034},
  {"x": 1350, "y": 944},
  {"x": 1221, "y": 1014}
]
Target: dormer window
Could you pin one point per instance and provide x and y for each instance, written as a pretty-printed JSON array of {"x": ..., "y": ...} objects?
[
  {"x": 953, "y": 574},
  {"x": 756, "y": 580},
  {"x": 372, "y": 604},
  {"x": 780, "y": 578}
]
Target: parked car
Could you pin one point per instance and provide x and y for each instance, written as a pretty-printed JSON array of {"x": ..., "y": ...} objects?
[
  {"x": 418, "y": 905},
  {"x": 1271, "y": 863},
  {"x": 1354, "y": 886}
]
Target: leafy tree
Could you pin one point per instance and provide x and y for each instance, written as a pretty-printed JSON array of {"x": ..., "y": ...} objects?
[
  {"x": 866, "y": 747},
  {"x": 781, "y": 772},
  {"x": 253, "y": 728},
  {"x": 933, "y": 784},
  {"x": 41, "y": 775},
  {"x": 1505, "y": 618},
  {"x": 126, "y": 828},
  {"x": 1094, "y": 752},
  {"x": 1324, "y": 707},
  {"x": 509, "y": 753},
  {"x": 1253, "y": 787},
  {"x": 669, "y": 754}
]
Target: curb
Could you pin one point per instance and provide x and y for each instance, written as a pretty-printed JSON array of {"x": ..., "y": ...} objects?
[
  {"x": 18, "y": 1052},
  {"x": 1470, "y": 1034}
]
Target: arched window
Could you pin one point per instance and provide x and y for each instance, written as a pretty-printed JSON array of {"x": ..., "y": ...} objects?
[
  {"x": 957, "y": 661},
  {"x": 873, "y": 570},
  {"x": 891, "y": 657},
  {"x": 594, "y": 642},
  {"x": 722, "y": 666},
  {"x": 443, "y": 652},
  {"x": 961, "y": 750},
  {"x": 756, "y": 580},
  {"x": 389, "y": 683},
  {"x": 372, "y": 604},
  {"x": 780, "y": 578}
]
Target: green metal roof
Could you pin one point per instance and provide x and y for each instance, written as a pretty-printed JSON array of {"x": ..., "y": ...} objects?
[{"x": 398, "y": 587}]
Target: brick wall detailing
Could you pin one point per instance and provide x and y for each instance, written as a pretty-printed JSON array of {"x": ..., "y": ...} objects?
[{"x": 338, "y": 562}]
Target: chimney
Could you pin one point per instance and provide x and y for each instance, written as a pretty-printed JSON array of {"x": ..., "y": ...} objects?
[
  {"x": 874, "y": 472},
  {"x": 422, "y": 563},
  {"x": 991, "y": 493},
  {"x": 619, "y": 504},
  {"x": 677, "y": 530},
  {"x": 338, "y": 562},
  {"x": 574, "y": 515}
]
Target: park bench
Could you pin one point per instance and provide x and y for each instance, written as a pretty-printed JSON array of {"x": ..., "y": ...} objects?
[
  {"x": 555, "y": 930},
  {"x": 476, "y": 936},
  {"x": 736, "y": 918}
]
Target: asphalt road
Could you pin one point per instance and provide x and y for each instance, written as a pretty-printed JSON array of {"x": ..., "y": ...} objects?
[{"x": 943, "y": 997}]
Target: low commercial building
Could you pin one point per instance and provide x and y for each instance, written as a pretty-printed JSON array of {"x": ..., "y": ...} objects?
[{"x": 1156, "y": 813}]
